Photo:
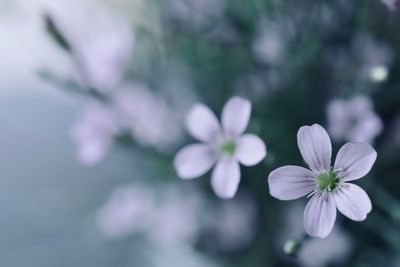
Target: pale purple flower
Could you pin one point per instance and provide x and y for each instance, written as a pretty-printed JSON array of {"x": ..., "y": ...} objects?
[
  {"x": 167, "y": 216},
  {"x": 315, "y": 252},
  {"x": 147, "y": 117},
  {"x": 103, "y": 54},
  {"x": 353, "y": 120},
  {"x": 224, "y": 146},
  {"x": 126, "y": 211},
  {"x": 392, "y": 4},
  {"x": 271, "y": 42},
  {"x": 195, "y": 13},
  {"x": 318, "y": 252},
  {"x": 327, "y": 185},
  {"x": 94, "y": 133},
  {"x": 177, "y": 217},
  {"x": 236, "y": 226}
]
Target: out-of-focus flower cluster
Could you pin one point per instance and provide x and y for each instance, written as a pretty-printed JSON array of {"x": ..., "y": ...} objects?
[
  {"x": 171, "y": 216},
  {"x": 291, "y": 66}
]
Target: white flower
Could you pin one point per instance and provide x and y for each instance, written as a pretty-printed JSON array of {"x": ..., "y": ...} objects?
[
  {"x": 315, "y": 252},
  {"x": 353, "y": 120},
  {"x": 149, "y": 119},
  {"x": 127, "y": 211},
  {"x": 328, "y": 185},
  {"x": 94, "y": 133},
  {"x": 167, "y": 216},
  {"x": 103, "y": 54},
  {"x": 195, "y": 13},
  {"x": 176, "y": 220},
  {"x": 236, "y": 225},
  {"x": 319, "y": 252},
  {"x": 392, "y": 4},
  {"x": 271, "y": 43},
  {"x": 224, "y": 145}
]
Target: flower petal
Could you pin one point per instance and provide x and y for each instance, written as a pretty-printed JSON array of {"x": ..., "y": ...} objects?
[
  {"x": 202, "y": 123},
  {"x": 352, "y": 201},
  {"x": 236, "y": 115},
  {"x": 291, "y": 182},
  {"x": 315, "y": 147},
  {"x": 194, "y": 160},
  {"x": 250, "y": 150},
  {"x": 354, "y": 160},
  {"x": 225, "y": 178},
  {"x": 320, "y": 215}
]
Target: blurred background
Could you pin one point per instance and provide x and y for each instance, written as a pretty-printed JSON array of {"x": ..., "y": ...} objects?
[{"x": 93, "y": 99}]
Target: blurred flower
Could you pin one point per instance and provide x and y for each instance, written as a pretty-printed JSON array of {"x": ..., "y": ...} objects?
[
  {"x": 195, "y": 13},
  {"x": 149, "y": 119},
  {"x": 368, "y": 60},
  {"x": 177, "y": 218},
  {"x": 328, "y": 186},
  {"x": 226, "y": 146},
  {"x": 315, "y": 252},
  {"x": 235, "y": 226},
  {"x": 332, "y": 249},
  {"x": 167, "y": 215},
  {"x": 271, "y": 43},
  {"x": 392, "y": 4},
  {"x": 103, "y": 55},
  {"x": 94, "y": 133},
  {"x": 353, "y": 120},
  {"x": 374, "y": 56},
  {"x": 127, "y": 211},
  {"x": 101, "y": 46}
]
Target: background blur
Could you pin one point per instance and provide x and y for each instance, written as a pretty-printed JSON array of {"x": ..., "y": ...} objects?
[{"x": 76, "y": 191}]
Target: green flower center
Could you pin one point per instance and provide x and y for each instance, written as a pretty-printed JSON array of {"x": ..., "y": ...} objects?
[
  {"x": 328, "y": 181},
  {"x": 227, "y": 147}
]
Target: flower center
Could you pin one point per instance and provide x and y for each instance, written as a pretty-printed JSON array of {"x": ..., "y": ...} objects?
[
  {"x": 328, "y": 181},
  {"x": 227, "y": 147}
]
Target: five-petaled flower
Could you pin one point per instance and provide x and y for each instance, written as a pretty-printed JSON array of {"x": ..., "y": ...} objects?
[
  {"x": 226, "y": 146},
  {"x": 327, "y": 185}
]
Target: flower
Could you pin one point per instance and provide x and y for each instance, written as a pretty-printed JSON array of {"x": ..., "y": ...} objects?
[
  {"x": 147, "y": 116},
  {"x": 353, "y": 120},
  {"x": 271, "y": 43},
  {"x": 392, "y": 4},
  {"x": 327, "y": 185},
  {"x": 126, "y": 211},
  {"x": 94, "y": 133},
  {"x": 314, "y": 252},
  {"x": 103, "y": 55},
  {"x": 236, "y": 226},
  {"x": 225, "y": 146}
]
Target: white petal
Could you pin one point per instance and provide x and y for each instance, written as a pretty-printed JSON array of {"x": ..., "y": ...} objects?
[
  {"x": 352, "y": 201},
  {"x": 354, "y": 160},
  {"x": 236, "y": 115},
  {"x": 202, "y": 123},
  {"x": 315, "y": 147},
  {"x": 250, "y": 150},
  {"x": 320, "y": 215},
  {"x": 194, "y": 160},
  {"x": 91, "y": 152},
  {"x": 291, "y": 182},
  {"x": 225, "y": 178}
]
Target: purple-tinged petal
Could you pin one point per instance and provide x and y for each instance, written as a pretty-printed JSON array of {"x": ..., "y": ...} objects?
[
  {"x": 194, "y": 160},
  {"x": 291, "y": 182},
  {"x": 320, "y": 215},
  {"x": 352, "y": 201},
  {"x": 225, "y": 178},
  {"x": 202, "y": 123},
  {"x": 250, "y": 150},
  {"x": 315, "y": 147},
  {"x": 354, "y": 160},
  {"x": 236, "y": 115}
]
